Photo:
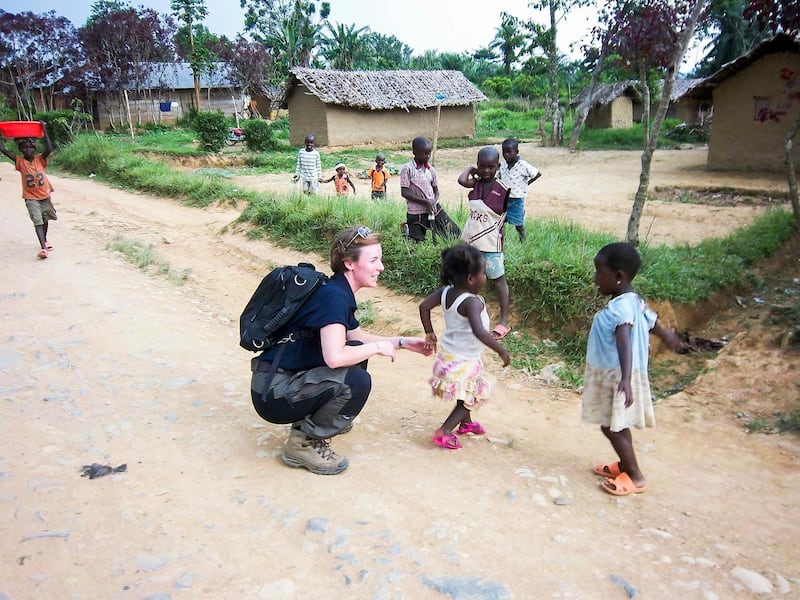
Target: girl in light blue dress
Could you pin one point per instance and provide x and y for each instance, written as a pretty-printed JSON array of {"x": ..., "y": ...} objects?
[{"x": 616, "y": 392}]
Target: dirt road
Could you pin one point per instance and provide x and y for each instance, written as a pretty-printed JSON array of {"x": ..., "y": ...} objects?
[{"x": 102, "y": 363}]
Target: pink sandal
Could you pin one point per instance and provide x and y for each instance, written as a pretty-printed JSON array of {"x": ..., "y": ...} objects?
[
  {"x": 446, "y": 441},
  {"x": 471, "y": 427}
]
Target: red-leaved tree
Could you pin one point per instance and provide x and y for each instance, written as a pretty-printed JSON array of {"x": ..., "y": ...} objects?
[
  {"x": 685, "y": 18},
  {"x": 123, "y": 47},
  {"x": 36, "y": 52}
]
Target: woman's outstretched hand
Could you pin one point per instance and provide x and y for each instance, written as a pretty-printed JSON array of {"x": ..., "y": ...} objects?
[{"x": 418, "y": 345}]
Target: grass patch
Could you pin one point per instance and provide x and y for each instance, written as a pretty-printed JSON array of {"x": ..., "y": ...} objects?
[
  {"x": 366, "y": 314},
  {"x": 112, "y": 159},
  {"x": 176, "y": 142},
  {"x": 145, "y": 258},
  {"x": 777, "y": 423}
]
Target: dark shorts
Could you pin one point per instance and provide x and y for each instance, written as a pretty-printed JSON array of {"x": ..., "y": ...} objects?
[
  {"x": 378, "y": 195},
  {"x": 316, "y": 399},
  {"x": 441, "y": 226},
  {"x": 41, "y": 210}
]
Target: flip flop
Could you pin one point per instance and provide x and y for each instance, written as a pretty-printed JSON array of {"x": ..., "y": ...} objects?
[
  {"x": 500, "y": 331},
  {"x": 446, "y": 441},
  {"x": 472, "y": 427},
  {"x": 611, "y": 470},
  {"x": 622, "y": 486}
]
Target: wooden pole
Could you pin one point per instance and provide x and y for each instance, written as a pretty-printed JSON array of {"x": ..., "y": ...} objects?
[
  {"x": 128, "y": 110},
  {"x": 436, "y": 131}
]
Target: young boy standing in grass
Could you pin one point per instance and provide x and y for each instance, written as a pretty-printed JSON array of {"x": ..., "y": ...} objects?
[
  {"x": 309, "y": 166},
  {"x": 36, "y": 187},
  {"x": 488, "y": 203},
  {"x": 378, "y": 176},
  {"x": 420, "y": 187},
  {"x": 517, "y": 174}
]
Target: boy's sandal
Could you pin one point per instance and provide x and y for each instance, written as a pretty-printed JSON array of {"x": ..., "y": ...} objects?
[
  {"x": 500, "y": 331},
  {"x": 42, "y": 253},
  {"x": 622, "y": 485},
  {"x": 446, "y": 441},
  {"x": 48, "y": 246},
  {"x": 471, "y": 427},
  {"x": 610, "y": 470}
]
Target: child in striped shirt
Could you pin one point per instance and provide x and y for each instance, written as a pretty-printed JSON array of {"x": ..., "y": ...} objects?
[{"x": 309, "y": 166}]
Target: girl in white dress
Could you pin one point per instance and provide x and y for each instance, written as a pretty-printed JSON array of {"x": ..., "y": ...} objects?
[{"x": 458, "y": 373}]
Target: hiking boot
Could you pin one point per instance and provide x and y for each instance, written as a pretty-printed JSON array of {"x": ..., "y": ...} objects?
[{"x": 314, "y": 455}]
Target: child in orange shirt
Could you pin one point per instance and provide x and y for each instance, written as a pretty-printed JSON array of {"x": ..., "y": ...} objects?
[
  {"x": 341, "y": 180},
  {"x": 379, "y": 175},
  {"x": 36, "y": 187}
]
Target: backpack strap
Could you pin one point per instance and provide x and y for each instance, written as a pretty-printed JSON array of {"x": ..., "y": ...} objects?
[{"x": 273, "y": 368}]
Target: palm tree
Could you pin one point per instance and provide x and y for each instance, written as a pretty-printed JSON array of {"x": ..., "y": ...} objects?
[
  {"x": 290, "y": 28},
  {"x": 735, "y": 36},
  {"x": 343, "y": 45},
  {"x": 508, "y": 40}
]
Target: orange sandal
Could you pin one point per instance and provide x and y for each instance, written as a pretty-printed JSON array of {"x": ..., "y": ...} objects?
[
  {"x": 500, "y": 331},
  {"x": 622, "y": 486},
  {"x": 611, "y": 470}
]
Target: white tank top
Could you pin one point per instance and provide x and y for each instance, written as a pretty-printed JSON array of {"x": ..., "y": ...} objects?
[{"x": 458, "y": 339}]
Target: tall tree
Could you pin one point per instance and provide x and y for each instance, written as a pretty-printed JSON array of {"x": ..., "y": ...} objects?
[
  {"x": 605, "y": 32},
  {"x": 122, "y": 44},
  {"x": 645, "y": 39},
  {"x": 508, "y": 39},
  {"x": 547, "y": 39},
  {"x": 291, "y": 28},
  {"x": 686, "y": 17},
  {"x": 774, "y": 15},
  {"x": 383, "y": 52},
  {"x": 344, "y": 45},
  {"x": 730, "y": 35},
  {"x": 192, "y": 13},
  {"x": 250, "y": 65},
  {"x": 36, "y": 52}
]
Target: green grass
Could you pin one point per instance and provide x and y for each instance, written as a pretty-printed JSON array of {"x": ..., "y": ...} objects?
[
  {"x": 175, "y": 142},
  {"x": 777, "y": 423},
  {"x": 145, "y": 258},
  {"x": 500, "y": 122},
  {"x": 112, "y": 160}
]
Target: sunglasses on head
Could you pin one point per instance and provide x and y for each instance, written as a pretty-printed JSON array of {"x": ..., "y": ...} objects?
[{"x": 362, "y": 232}]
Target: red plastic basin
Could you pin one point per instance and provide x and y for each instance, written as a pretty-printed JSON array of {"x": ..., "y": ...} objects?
[{"x": 16, "y": 129}]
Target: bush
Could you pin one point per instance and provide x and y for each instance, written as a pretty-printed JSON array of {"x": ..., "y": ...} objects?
[
  {"x": 258, "y": 135},
  {"x": 62, "y": 125},
  {"x": 499, "y": 87},
  {"x": 687, "y": 133},
  {"x": 280, "y": 128},
  {"x": 212, "y": 130}
]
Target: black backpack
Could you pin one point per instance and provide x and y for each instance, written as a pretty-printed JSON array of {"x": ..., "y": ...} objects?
[{"x": 276, "y": 300}]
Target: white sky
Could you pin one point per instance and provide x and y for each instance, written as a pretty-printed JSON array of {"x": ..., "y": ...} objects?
[{"x": 443, "y": 25}]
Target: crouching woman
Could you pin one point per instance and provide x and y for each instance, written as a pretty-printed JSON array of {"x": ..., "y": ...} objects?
[{"x": 321, "y": 382}]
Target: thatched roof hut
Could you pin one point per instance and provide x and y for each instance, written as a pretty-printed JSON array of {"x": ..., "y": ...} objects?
[
  {"x": 355, "y": 107},
  {"x": 755, "y": 99},
  {"x": 610, "y": 105}
]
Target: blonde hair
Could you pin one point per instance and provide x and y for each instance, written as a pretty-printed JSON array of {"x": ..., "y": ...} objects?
[{"x": 347, "y": 246}]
